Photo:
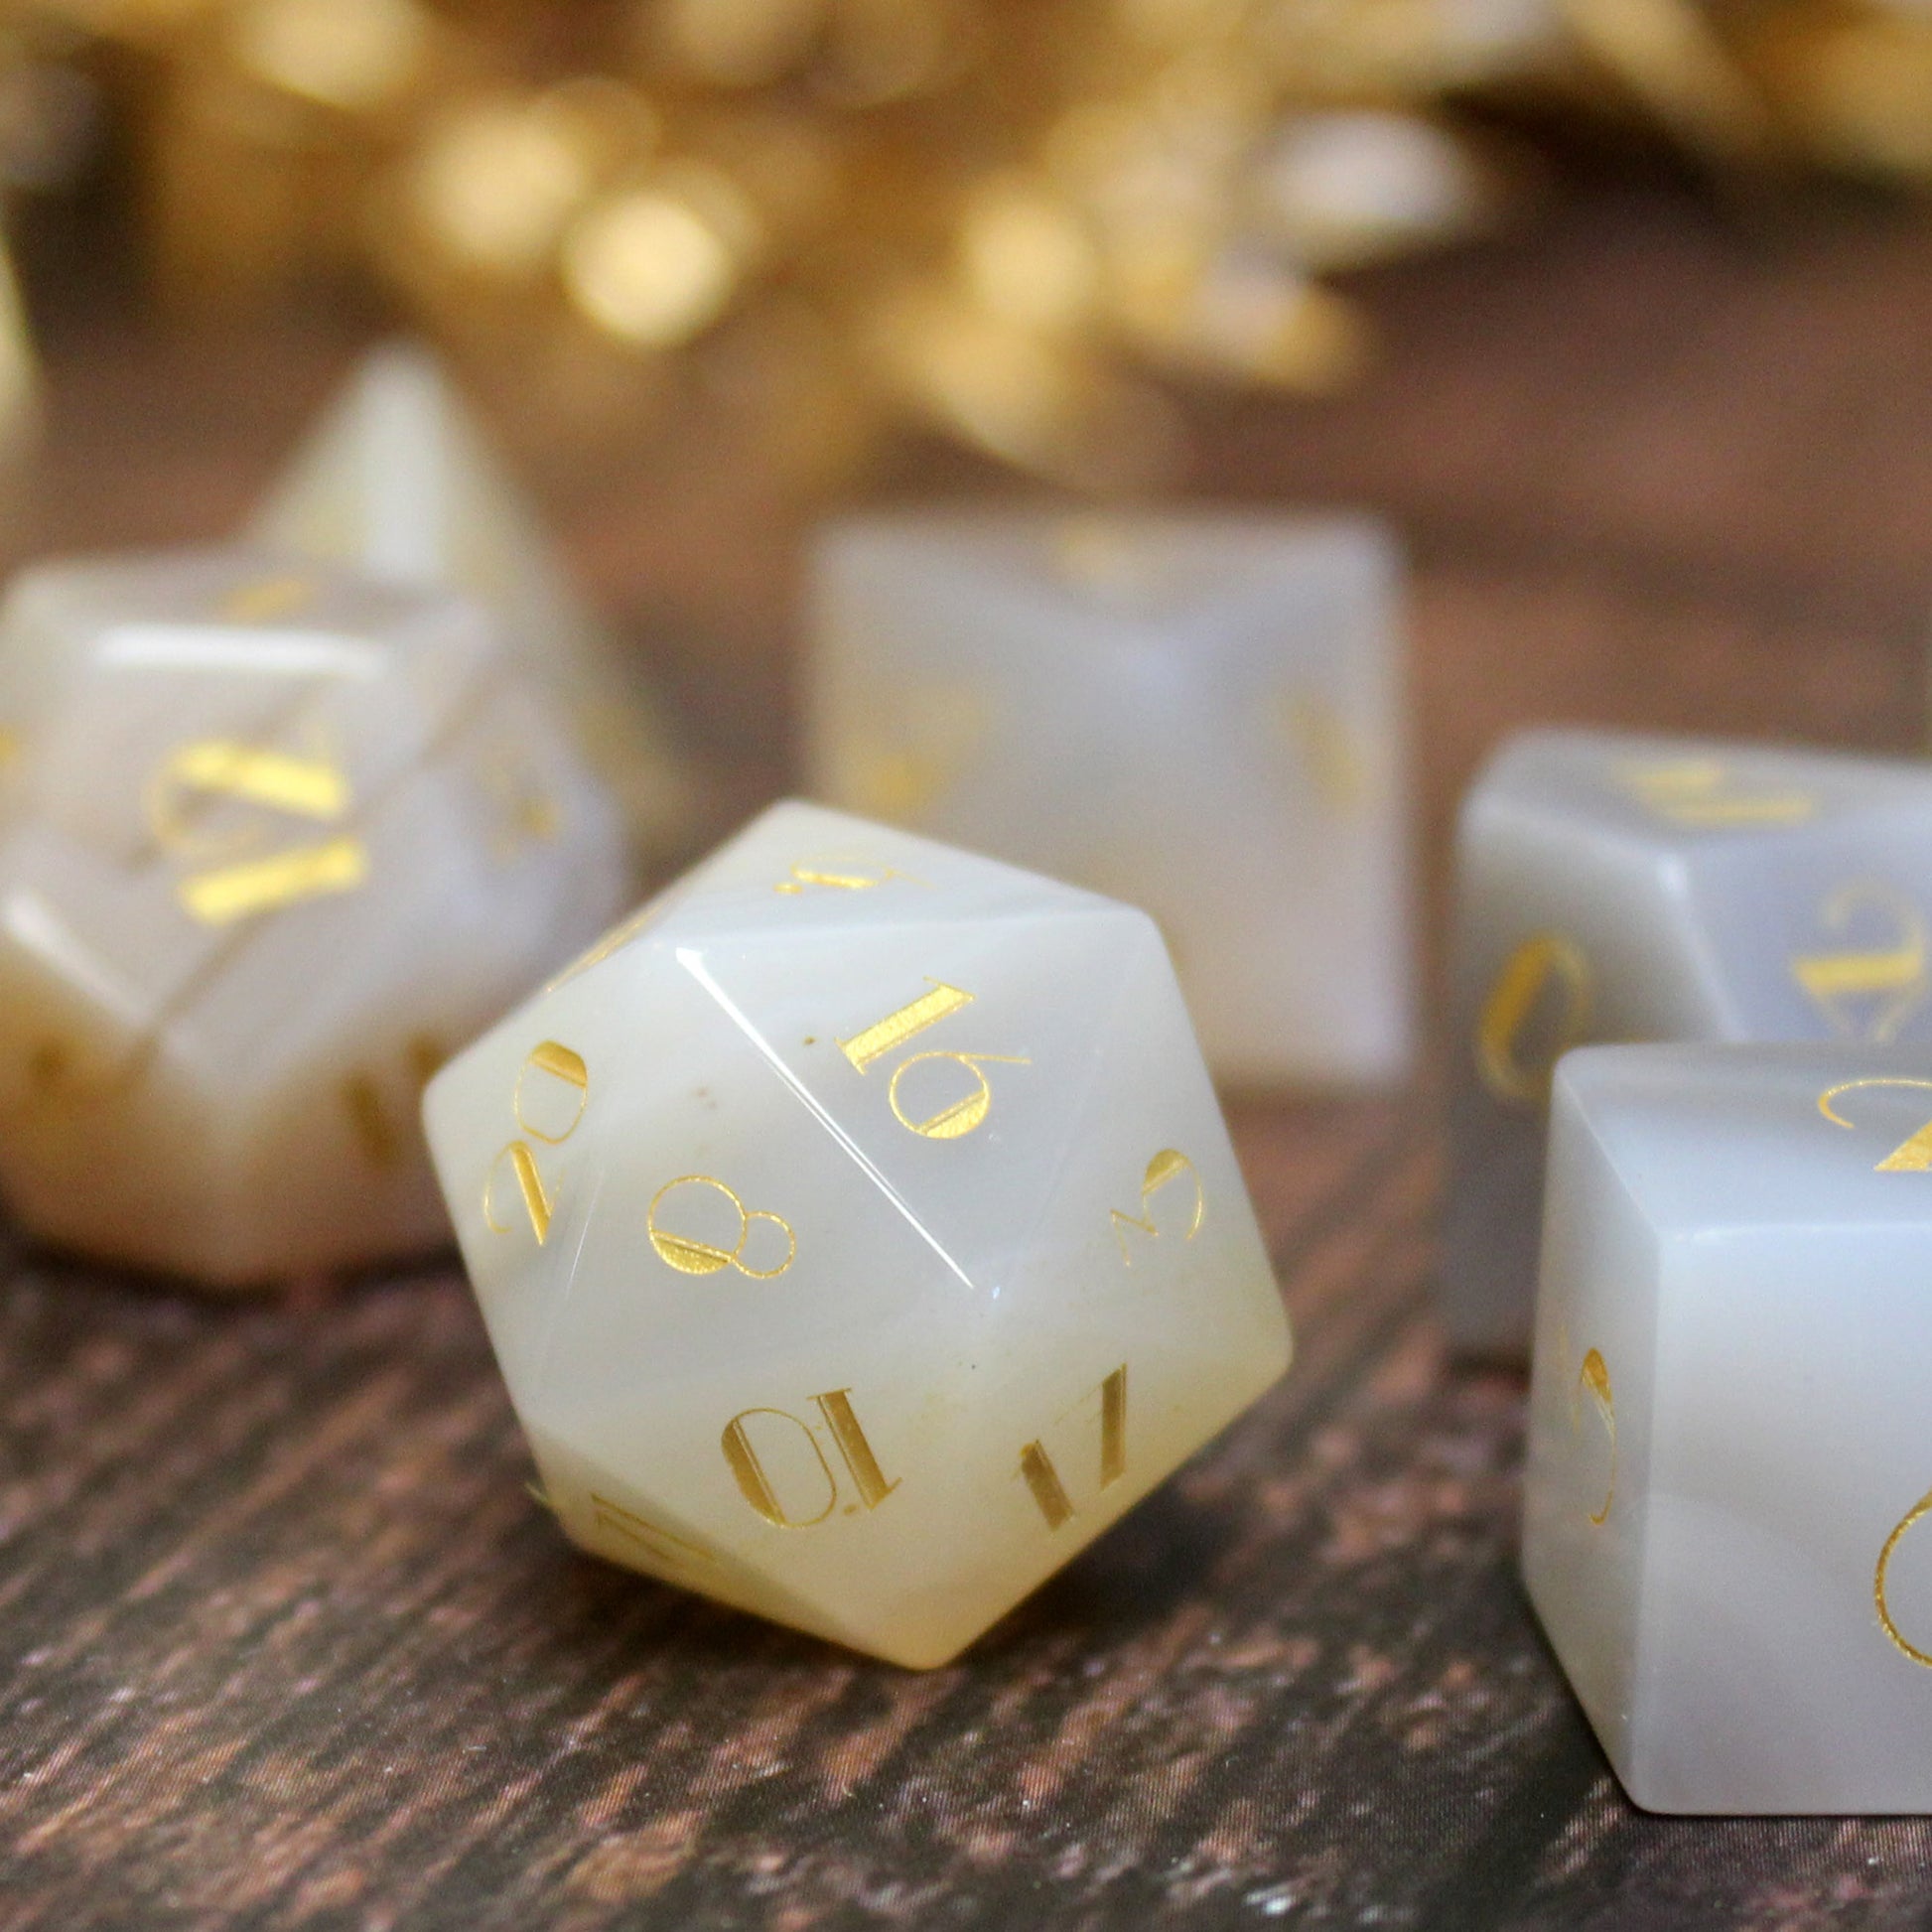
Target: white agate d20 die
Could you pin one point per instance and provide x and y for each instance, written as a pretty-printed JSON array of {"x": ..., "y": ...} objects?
[
  {"x": 399, "y": 480},
  {"x": 1201, "y": 714},
  {"x": 1728, "y": 1453},
  {"x": 277, "y": 841},
  {"x": 858, "y": 1231},
  {"x": 1619, "y": 888}
]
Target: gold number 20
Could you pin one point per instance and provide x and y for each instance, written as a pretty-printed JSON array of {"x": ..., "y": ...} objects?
[{"x": 562, "y": 1077}]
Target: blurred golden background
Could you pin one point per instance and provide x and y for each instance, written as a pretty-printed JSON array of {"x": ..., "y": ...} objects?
[{"x": 789, "y": 227}]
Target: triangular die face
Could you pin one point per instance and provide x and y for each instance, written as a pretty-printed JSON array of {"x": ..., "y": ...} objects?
[
  {"x": 169, "y": 730},
  {"x": 611, "y": 1515},
  {"x": 950, "y": 1058},
  {"x": 1146, "y": 1267},
  {"x": 756, "y": 1337},
  {"x": 398, "y": 482},
  {"x": 715, "y": 1219},
  {"x": 800, "y": 868}
]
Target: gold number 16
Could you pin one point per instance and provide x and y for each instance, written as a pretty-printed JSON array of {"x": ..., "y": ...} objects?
[{"x": 960, "y": 1117}]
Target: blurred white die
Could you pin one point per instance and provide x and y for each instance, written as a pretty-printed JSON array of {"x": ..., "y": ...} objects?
[
  {"x": 398, "y": 482},
  {"x": 1201, "y": 714},
  {"x": 1728, "y": 1463},
  {"x": 1620, "y": 888},
  {"x": 277, "y": 842}
]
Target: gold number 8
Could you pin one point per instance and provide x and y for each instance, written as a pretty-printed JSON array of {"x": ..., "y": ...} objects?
[{"x": 693, "y": 1257}]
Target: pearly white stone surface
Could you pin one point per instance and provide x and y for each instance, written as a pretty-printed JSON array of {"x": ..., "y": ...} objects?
[
  {"x": 858, "y": 1231},
  {"x": 1201, "y": 714},
  {"x": 1728, "y": 1463},
  {"x": 1619, "y": 888},
  {"x": 397, "y": 480},
  {"x": 276, "y": 840}
]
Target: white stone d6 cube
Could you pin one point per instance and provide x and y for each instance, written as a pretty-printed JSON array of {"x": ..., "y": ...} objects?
[
  {"x": 857, "y": 1231},
  {"x": 1201, "y": 714},
  {"x": 1619, "y": 888},
  {"x": 1729, "y": 1458},
  {"x": 275, "y": 842}
]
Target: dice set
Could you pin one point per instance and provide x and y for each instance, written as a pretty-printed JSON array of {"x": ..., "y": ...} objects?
[
  {"x": 855, "y": 1191},
  {"x": 1721, "y": 1238},
  {"x": 855, "y": 1225},
  {"x": 1613, "y": 888}
]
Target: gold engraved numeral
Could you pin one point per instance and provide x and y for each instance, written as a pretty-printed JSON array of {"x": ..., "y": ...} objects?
[
  {"x": 1327, "y": 748},
  {"x": 1870, "y": 994},
  {"x": 1911, "y": 1155},
  {"x": 691, "y": 1256},
  {"x": 382, "y": 1139},
  {"x": 1707, "y": 796},
  {"x": 840, "y": 876},
  {"x": 888, "y": 1035},
  {"x": 549, "y": 1111},
  {"x": 262, "y": 884},
  {"x": 675, "y": 1551},
  {"x": 1546, "y": 977},
  {"x": 855, "y": 1452},
  {"x": 525, "y": 809},
  {"x": 956, "y": 1118},
  {"x": 229, "y": 886},
  {"x": 1593, "y": 1381},
  {"x": 267, "y": 600},
  {"x": 1042, "y": 1479},
  {"x": 1918, "y": 1511},
  {"x": 1169, "y": 1165}
]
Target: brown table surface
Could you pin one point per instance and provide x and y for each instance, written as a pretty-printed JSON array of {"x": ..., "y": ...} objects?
[{"x": 284, "y": 1642}]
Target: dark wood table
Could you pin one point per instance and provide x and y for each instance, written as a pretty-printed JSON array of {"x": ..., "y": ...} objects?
[{"x": 283, "y": 1640}]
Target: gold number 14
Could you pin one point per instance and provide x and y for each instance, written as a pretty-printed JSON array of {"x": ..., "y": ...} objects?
[{"x": 1044, "y": 1479}]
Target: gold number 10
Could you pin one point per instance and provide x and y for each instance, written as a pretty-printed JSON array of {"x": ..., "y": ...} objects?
[{"x": 847, "y": 1438}]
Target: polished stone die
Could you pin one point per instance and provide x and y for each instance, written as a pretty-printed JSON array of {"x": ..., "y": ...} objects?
[
  {"x": 1728, "y": 1459},
  {"x": 276, "y": 840},
  {"x": 397, "y": 480},
  {"x": 858, "y": 1232},
  {"x": 1201, "y": 714},
  {"x": 1612, "y": 888}
]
